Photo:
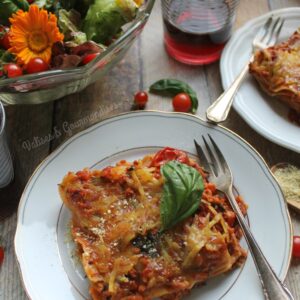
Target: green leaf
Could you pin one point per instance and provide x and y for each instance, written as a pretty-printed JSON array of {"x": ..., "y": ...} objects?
[
  {"x": 182, "y": 193},
  {"x": 6, "y": 57},
  {"x": 55, "y": 5},
  {"x": 69, "y": 24},
  {"x": 82, "y": 6},
  {"x": 172, "y": 87},
  {"x": 105, "y": 18},
  {"x": 68, "y": 4},
  {"x": 8, "y": 7}
]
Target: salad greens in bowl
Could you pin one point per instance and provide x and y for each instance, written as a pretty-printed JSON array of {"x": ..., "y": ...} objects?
[{"x": 52, "y": 48}]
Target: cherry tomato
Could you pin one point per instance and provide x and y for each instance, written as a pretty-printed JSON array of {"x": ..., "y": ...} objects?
[
  {"x": 12, "y": 70},
  {"x": 182, "y": 102},
  {"x": 88, "y": 58},
  {"x": 140, "y": 99},
  {"x": 1, "y": 255},
  {"x": 36, "y": 65},
  {"x": 4, "y": 38},
  {"x": 168, "y": 154},
  {"x": 296, "y": 246},
  {"x": 30, "y": 1}
]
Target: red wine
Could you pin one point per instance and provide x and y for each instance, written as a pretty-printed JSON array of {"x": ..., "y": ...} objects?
[{"x": 196, "y": 31}]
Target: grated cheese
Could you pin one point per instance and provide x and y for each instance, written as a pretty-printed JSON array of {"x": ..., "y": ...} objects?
[{"x": 289, "y": 180}]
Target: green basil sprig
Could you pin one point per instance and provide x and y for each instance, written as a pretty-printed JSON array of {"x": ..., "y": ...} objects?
[
  {"x": 172, "y": 87},
  {"x": 182, "y": 193}
]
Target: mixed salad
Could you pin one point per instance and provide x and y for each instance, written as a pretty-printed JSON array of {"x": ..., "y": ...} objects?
[{"x": 39, "y": 35}]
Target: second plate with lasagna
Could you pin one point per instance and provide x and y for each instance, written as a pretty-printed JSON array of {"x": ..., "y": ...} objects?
[{"x": 263, "y": 113}]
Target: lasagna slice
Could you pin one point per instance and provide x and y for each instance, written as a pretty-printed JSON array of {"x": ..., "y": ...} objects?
[
  {"x": 277, "y": 70},
  {"x": 116, "y": 226}
]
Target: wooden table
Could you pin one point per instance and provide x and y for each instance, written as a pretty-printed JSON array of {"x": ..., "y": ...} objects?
[{"x": 145, "y": 63}]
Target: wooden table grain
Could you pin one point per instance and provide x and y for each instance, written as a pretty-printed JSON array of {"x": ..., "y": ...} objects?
[{"x": 145, "y": 63}]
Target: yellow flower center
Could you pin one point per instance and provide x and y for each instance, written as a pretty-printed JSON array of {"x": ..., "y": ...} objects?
[{"x": 38, "y": 41}]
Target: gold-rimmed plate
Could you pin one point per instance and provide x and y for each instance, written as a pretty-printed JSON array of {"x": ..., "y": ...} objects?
[
  {"x": 265, "y": 114},
  {"x": 44, "y": 251}
]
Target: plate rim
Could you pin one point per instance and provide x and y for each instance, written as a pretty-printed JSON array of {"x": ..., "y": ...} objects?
[
  {"x": 224, "y": 59},
  {"x": 197, "y": 118}
]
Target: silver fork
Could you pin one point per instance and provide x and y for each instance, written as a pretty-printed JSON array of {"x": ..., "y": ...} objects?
[
  {"x": 220, "y": 174},
  {"x": 265, "y": 37}
]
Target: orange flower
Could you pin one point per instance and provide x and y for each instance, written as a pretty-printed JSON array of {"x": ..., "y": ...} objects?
[
  {"x": 33, "y": 33},
  {"x": 139, "y": 2}
]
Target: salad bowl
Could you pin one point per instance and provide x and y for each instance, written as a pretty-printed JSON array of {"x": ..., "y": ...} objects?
[{"x": 53, "y": 84}]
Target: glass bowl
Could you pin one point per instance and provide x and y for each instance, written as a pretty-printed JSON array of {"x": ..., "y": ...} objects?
[{"x": 54, "y": 84}]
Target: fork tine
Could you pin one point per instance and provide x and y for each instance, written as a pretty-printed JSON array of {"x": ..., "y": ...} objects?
[
  {"x": 220, "y": 155},
  {"x": 213, "y": 159},
  {"x": 264, "y": 29},
  {"x": 203, "y": 160},
  {"x": 277, "y": 31},
  {"x": 267, "y": 38}
]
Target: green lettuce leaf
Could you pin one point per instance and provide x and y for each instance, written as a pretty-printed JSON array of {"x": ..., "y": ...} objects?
[
  {"x": 105, "y": 18},
  {"x": 69, "y": 23}
]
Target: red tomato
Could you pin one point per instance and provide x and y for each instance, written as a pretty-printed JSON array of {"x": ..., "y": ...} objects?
[
  {"x": 296, "y": 246},
  {"x": 88, "y": 58},
  {"x": 4, "y": 38},
  {"x": 182, "y": 102},
  {"x": 12, "y": 70},
  {"x": 1, "y": 255},
  {"x": 140, "y": 99},
  {"x": 36, "y": 65},
  {"x": 168, "y": 154}
]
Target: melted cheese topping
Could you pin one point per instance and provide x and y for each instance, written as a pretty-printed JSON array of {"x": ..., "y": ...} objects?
[
  {"x": 116, "y": 222},
  {"x": 277, "y": 70}
]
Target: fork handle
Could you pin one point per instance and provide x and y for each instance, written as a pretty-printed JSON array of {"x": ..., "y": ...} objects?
[
  {"x": 219, "y": 110},
  {"x": 273, "y": 288}
]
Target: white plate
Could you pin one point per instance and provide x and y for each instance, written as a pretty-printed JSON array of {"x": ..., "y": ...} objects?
[
  {"x": 264, "y": 114},
  {"x": 42, "y": 244}
]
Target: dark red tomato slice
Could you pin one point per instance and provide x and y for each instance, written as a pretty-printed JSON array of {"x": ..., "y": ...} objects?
[
  {"x": 140, "y": 99},
  {"x": 88, "y": 58},
  {"x": 4, "y": 38},
  {"x": 296, "y": 246},
  {"x": 1, "y": 255},
  {"x": 167, "y": 154},
  {"x": 36, "y": 65},
  {"x": 182, "y": 102},
  {"x": 12, "y": 70}
]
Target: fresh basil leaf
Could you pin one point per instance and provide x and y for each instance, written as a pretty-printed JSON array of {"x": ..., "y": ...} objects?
[
  {"x": 8, "y": 7},
  {"x": 172, "y": 87},
  {"x": 182, "y": 193}
]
